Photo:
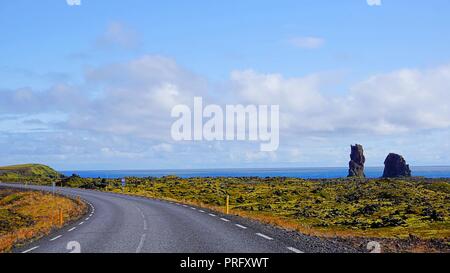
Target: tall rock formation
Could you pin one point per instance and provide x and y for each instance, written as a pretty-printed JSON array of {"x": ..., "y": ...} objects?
[
  {"x": 356, "y": 164},
  {"x": 395, "y": 166}
]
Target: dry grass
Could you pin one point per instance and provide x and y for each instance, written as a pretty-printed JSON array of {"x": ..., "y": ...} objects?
[{"x": 30, "y": 215}]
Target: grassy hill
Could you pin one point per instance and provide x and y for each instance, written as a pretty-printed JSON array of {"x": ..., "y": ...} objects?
[{"x": 28, "y": 171}]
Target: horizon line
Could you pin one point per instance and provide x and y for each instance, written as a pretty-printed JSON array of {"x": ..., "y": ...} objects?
[{"x": 240, "y": 168}]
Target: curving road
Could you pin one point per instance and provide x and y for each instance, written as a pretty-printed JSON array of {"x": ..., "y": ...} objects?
[{"x": 126, "y": 224}]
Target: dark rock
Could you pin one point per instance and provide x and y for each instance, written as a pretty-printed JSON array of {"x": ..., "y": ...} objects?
[
  {"x": 356, "y": 164},
  {"x": 395, "y": 166}
]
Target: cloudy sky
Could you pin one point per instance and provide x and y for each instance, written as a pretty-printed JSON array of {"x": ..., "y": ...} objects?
[{"x": 92, "y": 86}]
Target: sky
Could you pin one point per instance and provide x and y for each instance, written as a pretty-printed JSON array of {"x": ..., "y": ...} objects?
[{"x": 91, "y": 86}]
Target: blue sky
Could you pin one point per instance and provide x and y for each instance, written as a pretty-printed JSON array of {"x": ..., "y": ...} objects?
[{"x": 69, "y": 76}]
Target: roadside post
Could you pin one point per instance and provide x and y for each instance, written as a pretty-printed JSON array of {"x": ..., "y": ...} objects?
[
  {"x": 227, "y": 208},
  {"x": 53, "y": 187},
  {"x": 124, "y": 183}
]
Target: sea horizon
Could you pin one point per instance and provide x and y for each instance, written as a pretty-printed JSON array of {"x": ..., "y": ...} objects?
[{"x": 294, "y": 172}]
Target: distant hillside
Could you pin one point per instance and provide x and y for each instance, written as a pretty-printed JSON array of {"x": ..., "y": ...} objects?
[{"x": 28, "y": 170}]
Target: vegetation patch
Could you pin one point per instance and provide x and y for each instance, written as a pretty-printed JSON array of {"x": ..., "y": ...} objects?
[
  {"x": 395, "y": 209},
  {"x": 389, "y": 209},
  {"x": 27, "y": 215}
]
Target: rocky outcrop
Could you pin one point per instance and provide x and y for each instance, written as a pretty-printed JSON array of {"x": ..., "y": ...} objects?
[
  {"x": 356, "y": 164},
  {"x": 395, "y": 166}
]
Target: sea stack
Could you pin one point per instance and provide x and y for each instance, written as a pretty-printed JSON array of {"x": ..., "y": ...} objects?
[
  {"x": 356, "y": 164},
  {"x": 395, "y": 166}
]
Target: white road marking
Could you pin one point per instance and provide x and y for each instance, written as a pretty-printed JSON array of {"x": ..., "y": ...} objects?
[
  {"x": 31, "y": 249},
  {"x": 213, "y": 215},
  {"x": 87, "y": 219},
  {"x": 72, "y": 229},
  {"x": 264, "y": 236},
  {"x": 141, "y": 243},
  {"x": 145, "y": 224},
  {"x": 241, "y": 226},
  {"x": 185, "y": 206},
  {"x": 225, "y": 220},
  {"x": 81, "y": 223},
  {"x": 57, "y": 237},
  {"x": 293, "y": 249},
  {"x": 201, "y": 211},
  {"x": 193, "y": 208}
]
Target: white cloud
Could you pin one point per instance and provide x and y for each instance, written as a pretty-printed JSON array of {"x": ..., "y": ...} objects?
[
  {"x": 404, "y": 100},
  {"x": 73, "y": 2},
  {"x": 118, "y": 35},
  {"x": 136, "y": 97},
  {"x": 374, "y": 2},
  {"x": 260, "y": 156},
  {"x": 163, "y": 147},
  {"x": 129, "y": 115},
  {"x": 307, "y": 42}
]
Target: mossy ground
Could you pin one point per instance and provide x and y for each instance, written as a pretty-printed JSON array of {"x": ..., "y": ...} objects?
[{"x": 395, "y": 208}]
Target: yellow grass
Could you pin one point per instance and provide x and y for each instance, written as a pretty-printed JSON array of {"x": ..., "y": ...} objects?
[{"x": 43, "y": 211}]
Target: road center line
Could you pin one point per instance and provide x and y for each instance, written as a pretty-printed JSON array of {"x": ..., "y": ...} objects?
[
  {"x": 31, "y": 249},
  {"x": 72, "y": 229},
  {"x": 241, "y": 226},
  {"x": 201, "y": 211},
  {"x": 264, "y": 236},
  {"x": 141, "y": 243},
  {"x": 87, "y": 219},
  {"x": 81, "y": 223},
  {"x": 213, "y": 215},
  {"x": 57, "y": 237},
  {"x": 145, "y": 224},
  {"x": 225, "y": 220},
  {"x": 293, "y": 249}
]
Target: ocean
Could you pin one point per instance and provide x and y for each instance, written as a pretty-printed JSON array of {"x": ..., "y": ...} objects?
[{"x": 371, "y": 172}]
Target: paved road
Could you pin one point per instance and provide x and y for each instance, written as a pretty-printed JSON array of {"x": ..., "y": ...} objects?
[{"x": 127, "y": 224}]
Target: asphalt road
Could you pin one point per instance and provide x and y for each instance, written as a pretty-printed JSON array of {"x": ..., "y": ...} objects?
[{"x": 119, "y": 223}]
